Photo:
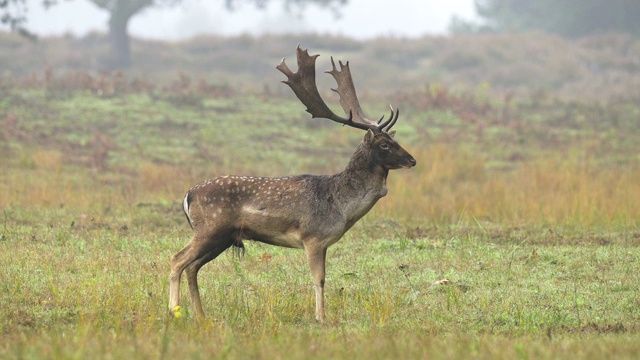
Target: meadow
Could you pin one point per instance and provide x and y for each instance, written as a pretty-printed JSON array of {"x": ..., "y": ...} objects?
[{"x": 527, "y": 206}]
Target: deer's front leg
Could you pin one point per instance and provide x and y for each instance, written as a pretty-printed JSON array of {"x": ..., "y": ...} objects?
[{"x": 317, "y": 255}]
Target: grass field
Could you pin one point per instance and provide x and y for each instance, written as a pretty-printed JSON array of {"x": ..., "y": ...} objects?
[{"x": 529, "y": 208}]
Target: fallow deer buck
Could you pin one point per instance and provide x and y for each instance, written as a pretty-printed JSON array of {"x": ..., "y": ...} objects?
[{"x": 305, "y": 211}]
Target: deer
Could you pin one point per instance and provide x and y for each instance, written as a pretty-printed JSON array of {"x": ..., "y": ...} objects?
[{"x": 309, "y": 212}]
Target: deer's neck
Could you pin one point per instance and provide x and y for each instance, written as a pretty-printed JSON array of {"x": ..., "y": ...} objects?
[
  {"x": 360, "y": 185},
  {"x": 363, "y": 170}
]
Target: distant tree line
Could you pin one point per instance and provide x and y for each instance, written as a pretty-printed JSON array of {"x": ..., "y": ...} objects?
[{"x": 569, "y": 18}]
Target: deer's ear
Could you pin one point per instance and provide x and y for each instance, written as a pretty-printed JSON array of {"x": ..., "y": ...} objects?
[
  {"x": 368, "y": 137},
  {"x": 392, "y": 133}
]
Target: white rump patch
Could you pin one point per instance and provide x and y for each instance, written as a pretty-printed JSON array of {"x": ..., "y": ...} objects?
[{"x": 185, "y": 207}]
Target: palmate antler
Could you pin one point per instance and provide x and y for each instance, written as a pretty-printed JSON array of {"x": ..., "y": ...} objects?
[{"x": 303, "y": 84}]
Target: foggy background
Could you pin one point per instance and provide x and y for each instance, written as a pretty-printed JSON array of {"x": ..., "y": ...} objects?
[
  {"x": 358, "y": 19},
  {"x": 585, "y": 50}
]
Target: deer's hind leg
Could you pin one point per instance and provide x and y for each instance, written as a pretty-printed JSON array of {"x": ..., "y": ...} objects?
[
  {"x": 192, "y": 257},
  {"x": 192, "y": 275}
]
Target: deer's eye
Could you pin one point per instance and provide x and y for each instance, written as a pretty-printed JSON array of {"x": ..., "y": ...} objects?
[{"x": 384, "y": 146}]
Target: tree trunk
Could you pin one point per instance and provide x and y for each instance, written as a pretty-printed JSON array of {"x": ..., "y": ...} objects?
[
  {"x": 120, "y": 44},
  {"x": 120, "y": 12}
]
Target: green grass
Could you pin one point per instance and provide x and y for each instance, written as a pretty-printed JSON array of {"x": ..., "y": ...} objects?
[
  {"x": 542, "y": 251},
  {"x": 74, "y": 286}
]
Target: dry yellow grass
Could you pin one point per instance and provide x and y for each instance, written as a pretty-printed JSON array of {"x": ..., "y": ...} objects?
[
  {"x": 449, "y": 185},
  {"x": 453, "y": 186}
]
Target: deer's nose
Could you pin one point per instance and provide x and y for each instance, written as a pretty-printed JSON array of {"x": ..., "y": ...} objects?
[{"x": 412, "y": 161}]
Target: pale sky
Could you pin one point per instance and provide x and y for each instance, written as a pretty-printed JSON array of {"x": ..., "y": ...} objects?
[{"x": 360, "y": 19}]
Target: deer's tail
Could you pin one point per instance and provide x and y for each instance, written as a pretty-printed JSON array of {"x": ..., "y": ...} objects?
[{"x": 185, "y": 207}]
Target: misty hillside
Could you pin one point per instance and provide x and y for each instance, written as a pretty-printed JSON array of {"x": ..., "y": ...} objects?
[{"x": 604, "y": 67}]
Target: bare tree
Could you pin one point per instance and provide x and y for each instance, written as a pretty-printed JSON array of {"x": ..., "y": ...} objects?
[{"x": 120, "y": 12}]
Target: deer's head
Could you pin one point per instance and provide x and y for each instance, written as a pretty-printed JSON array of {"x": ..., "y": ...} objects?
[{"x": 385, "y": 151}]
